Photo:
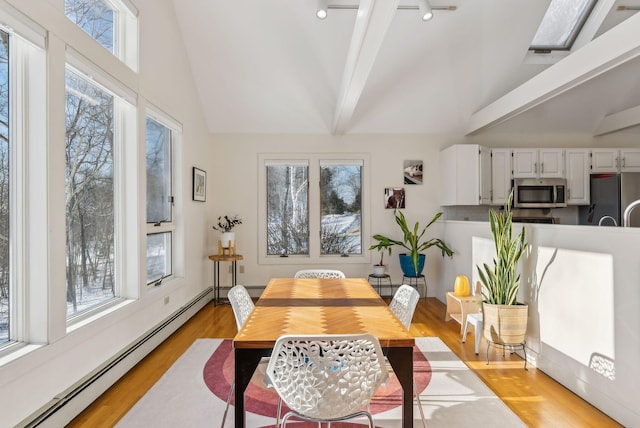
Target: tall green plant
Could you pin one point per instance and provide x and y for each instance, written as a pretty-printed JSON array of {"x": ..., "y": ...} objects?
[
  {"x": 502, "y": 282},
  {"x": 412, "y": 240}
]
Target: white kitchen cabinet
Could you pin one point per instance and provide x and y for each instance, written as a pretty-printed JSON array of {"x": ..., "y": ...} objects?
[
  {"x": 630, "y": 160},
  {"x": 465, "y": 175},
  {"x": 615, "y": 160},
  {"x": 577, "y": 165},
  {"x": 500, "y": 176},
  {"x": 538, "y": 163}
]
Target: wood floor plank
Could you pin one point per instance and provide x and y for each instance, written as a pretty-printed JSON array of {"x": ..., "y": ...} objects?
[{"x": 536, "y": 398}]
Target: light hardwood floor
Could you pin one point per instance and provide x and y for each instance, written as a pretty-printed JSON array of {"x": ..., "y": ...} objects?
[{"x": 536, "y": 398}]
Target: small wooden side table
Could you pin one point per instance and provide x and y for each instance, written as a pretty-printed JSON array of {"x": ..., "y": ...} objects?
[
  {"x": 459, "y": 307},
  {"x": 217, "y": 258}
]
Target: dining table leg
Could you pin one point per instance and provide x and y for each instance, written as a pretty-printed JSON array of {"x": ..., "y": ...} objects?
[
  {"x": 401, "y": 359},
  {"x": 246, "y": 362}
]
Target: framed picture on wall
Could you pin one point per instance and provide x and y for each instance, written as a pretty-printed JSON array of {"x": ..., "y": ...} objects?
[
  {"x": 199, "y": 185},
  {"x": 412, "y": 172},
  {"x": 394, "y": 197}
]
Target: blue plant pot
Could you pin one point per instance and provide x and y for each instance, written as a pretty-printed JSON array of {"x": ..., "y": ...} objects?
[{"x": 406, "y": 264}]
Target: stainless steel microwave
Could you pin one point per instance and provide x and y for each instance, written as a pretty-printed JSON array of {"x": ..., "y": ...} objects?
[{"x": 539, "y": 193}]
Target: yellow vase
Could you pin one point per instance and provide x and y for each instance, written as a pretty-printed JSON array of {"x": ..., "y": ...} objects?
[{"x": 461, "y": 286}]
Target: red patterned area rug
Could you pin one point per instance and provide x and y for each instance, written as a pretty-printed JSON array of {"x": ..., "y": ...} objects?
[{"x": 193, "y": 392}]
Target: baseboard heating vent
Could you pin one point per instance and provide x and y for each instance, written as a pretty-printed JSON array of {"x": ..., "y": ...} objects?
[{"x": 98, "y": 381}]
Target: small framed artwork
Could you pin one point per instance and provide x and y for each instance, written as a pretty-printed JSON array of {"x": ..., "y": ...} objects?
[
  {"x": 394, "y": 197},
  {"x": 199, "y": 185},
  {"x": 412, "y": 172}
]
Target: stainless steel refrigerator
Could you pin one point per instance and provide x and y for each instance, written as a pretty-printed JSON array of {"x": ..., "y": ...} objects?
[{"x": 610, "y": 195}]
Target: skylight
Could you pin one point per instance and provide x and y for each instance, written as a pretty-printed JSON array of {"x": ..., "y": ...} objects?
[{"x": 561, "y": 24}]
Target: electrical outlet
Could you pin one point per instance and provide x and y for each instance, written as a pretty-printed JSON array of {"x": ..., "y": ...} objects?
[
  {"x": 166, "y": 300},
  {"x": 241, "y": 268}
]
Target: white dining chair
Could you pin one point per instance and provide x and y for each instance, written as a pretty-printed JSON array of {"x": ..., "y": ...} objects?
[
  {"x": 403, "y": 305},
  {"x": 242, "y": 306},
  {"x": 320, "y": 273},
  {"x": 327, "y": 378}
]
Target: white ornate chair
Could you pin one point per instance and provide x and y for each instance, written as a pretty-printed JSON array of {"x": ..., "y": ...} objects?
[
  {"x": 403, "y": 305},
  {"x": 319, "y": 273},
  {"x": 242, "y": 306},
  {"x": 325, "y": 378}
]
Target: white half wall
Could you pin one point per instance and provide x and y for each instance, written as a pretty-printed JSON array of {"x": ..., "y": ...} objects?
[{"x": 581, "y": 284}]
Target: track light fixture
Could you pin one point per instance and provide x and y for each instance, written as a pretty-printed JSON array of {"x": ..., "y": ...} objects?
[
  {"x": 425, "y": 10},
  {"x": 321, "y": 12}
]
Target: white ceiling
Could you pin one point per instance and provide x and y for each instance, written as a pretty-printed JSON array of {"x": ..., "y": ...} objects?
[{"x": 272, "y": 67}]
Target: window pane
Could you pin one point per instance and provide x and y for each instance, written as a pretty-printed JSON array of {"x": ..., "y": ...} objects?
[
  {"x": 341, "y": 209},
  {"x": 158, "y": 256},
  {"x": 4, "y": 188},
  {"x": 89, "y": 195},
  {"x": 158, "y": 172},
  {"x": 287, "y": 209},
  {"x": 561, "y": 23},
  {"x": 95, "y": 17}
]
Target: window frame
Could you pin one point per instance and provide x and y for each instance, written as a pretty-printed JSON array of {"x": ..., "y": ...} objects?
[
  {"x": 170, "y": 227},
  {"x": 575, "y": 32},
  {"x": 314, "y": 256}
]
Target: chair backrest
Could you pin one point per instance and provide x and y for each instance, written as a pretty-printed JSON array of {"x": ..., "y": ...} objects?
[
  {"x": 327, "y": 376},
  {"x": 403, "y": 304},
  {"x": 319, "y": 273},
  {"x": 241, "y": 303}
]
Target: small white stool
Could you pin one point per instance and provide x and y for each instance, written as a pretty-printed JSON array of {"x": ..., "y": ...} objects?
[{"x": 476, "y": 321}]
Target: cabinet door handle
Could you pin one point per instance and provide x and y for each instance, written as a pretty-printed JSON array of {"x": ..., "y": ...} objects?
[
  {"x": 623, "y": 162},
  {"x": 535, "y": 167},
  {"x": 542, "y": 168}
]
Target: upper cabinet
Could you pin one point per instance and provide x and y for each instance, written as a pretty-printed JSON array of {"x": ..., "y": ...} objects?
[
  {"x": 577, "y": 174},
  {"x": 615, "y": 160},
  {"x": 500, "y": 176},
  {"x": 465, "y": 175},
  {"x": 538, "y": 163}
]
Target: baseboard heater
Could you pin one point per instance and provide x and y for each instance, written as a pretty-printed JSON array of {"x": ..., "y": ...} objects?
[{"x": 98, "y": 381}]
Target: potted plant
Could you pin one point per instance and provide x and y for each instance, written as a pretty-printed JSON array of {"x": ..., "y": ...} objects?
[
  {"x": 226, "y": 225},
  {"x": 505, "y": 319},
  {"x": 381, "y": 246},
  {"x": 412, "y": 262}
]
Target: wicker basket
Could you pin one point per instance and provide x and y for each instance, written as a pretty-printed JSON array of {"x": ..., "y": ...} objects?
[{"x": 505, "y": 324}]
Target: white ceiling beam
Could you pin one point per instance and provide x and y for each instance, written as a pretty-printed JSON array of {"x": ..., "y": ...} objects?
[
  {"x": 618, "y": 121},
  {"x": 372, "y": 22},
  {"x": 613, "y": 48}
]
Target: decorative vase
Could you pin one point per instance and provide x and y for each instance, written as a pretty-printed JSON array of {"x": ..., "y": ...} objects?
[
  {"x": 227, "y": 239},
  {"x": 461, "y": 286},
  {"x": 378, "y": 270},
  {"x": 505, "y": 324},
  {"x": 406, "y": 264}
]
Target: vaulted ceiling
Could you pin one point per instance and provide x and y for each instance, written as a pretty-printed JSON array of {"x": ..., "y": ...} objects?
[{"x": 273, "y": 67}]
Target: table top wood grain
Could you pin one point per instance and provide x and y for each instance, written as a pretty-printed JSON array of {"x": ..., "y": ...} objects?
[{"x": 321, "y": 306}]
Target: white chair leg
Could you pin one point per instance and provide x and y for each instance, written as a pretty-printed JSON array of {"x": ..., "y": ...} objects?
[
  {"x": 417, "y": 394},
  {"x": 478, "y": 332},
  {"x": 224, "y": 417},
  {"x": 464, "y": 332}
]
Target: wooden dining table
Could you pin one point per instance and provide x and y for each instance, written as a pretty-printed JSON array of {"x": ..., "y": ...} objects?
[{"x": 321, "y": 306}]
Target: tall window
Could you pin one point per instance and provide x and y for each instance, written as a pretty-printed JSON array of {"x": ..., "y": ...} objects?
[
  {"x": 307, "y": 221},
  {"x": 89, "y": 189},
  {"x": 160, "y": 225},
  {"x": 340, "y": 207},
  {"x": 96, "y": 17},
  {"x": 5, "y": 288},
  {"x": 287, "y": 208}
]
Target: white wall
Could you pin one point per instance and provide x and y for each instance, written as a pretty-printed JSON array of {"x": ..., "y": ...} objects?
[
  {"x": 165, "y": 80},
  {"x": 581, "y": 284},
  {"x": 235, "y": 190}
]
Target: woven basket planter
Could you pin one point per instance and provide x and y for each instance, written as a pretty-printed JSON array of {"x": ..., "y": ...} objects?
[{"x": 505, "y": 324}]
